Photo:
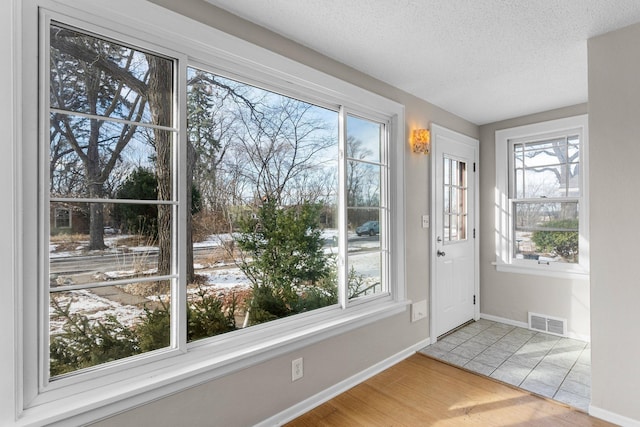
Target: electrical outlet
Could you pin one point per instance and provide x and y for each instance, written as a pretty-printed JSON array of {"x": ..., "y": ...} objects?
[
  {"x": 297, "y": 369},
  {"x": 418, "y": 310},
  {"x": 425, "y": 221}
]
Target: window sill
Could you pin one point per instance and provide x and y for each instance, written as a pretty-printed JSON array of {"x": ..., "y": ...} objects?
[
  {"x": 542, "y": 270},
  {"x": 202, "y": 363}
]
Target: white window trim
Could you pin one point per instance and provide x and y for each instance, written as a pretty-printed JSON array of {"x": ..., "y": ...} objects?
[
  {"x": 505, "y": 261},
  {"x": 165, "y": 372}
]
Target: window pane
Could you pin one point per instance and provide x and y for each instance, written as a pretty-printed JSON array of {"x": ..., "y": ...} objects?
[
  {"x": 94, "y": 326},
  {"x": 94, "y": 76},
  {"x": 447, "y": 200},
  {"x": 447, "y": 228},
  {"x": 363, "y": 139},
  {"x": 365, "y": 274},
  {"x": 574, "y": 167},
  {"x": 100, "y": 159},
  {"x": 454, "y": 172},
  {"x": 130, "y": 238},
  {"x": 363, "y": 184},
  {"x": 264, "y": 203},
  {"x": 462, "y": 227},
  {"x": 364, "y": 253},
  {"x": 546, "y": 231},
  {"x": 447, "y": 170},
  {"x": 546, "y": 168}
]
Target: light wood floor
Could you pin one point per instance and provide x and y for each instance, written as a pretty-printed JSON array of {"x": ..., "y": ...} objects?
[{"x": 421, "y": 391}]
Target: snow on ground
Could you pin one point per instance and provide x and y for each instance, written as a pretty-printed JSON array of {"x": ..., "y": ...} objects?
[
  {"x": 214, "y": 241},
  {"x": 227, "y": 278},
  {"x": 365, "y": 263},
  {"x": 124, "y": 274},
  {"x": 92, "y": 306}
]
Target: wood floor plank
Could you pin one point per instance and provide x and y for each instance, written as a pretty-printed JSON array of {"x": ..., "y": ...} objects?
[{"x": 421, "y": 391}]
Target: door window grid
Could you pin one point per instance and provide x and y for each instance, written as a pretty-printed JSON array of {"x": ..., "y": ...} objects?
[{"x": 455, "y": 200}]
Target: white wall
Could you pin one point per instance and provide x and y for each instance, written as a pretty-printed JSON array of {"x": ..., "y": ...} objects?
[
  {"x": 510, "y": 295},
  {"x": 614, "y": 123}
]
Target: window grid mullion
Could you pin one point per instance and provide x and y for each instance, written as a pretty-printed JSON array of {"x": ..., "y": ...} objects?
[
  {"x": 179, "y": 251},
  {"x": 343, "y": 273}
]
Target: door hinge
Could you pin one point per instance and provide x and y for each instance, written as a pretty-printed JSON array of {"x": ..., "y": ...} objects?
[
  {"x": 474, "y": 233},
  {"x": 474, "y": 300},
  {"x": 474, "y": 166}
]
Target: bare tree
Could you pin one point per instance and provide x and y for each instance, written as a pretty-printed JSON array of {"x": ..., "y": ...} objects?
[
  {"x": 92, "y": 76},
  {"x": 357, "y": 171},
  {"x": 280, "y": 146}
]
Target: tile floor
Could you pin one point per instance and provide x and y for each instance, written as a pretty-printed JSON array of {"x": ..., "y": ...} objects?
[{"x": 551, "y": 366}]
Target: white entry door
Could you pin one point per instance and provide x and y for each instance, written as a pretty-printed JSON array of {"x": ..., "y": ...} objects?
[{"x": 454, "y": 290}]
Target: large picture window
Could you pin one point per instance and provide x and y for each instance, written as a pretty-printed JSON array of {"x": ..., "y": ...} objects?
[
  {"x": 196, "y": 217},
  {"x": 541, "y": 172}
]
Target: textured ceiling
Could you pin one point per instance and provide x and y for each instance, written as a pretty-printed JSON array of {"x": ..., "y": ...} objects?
[{"x": 484, "y": 60}]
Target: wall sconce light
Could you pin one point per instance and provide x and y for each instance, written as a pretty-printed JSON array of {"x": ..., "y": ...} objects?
[{"x": 421, "y": 141}]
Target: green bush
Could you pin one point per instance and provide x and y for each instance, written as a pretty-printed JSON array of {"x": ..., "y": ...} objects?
[
  {"x": 283, "y": 257},
  {"x": 562, "y": 243},
  {"x": 86, "y": 343},
  {"x": 206, "y": 318}
]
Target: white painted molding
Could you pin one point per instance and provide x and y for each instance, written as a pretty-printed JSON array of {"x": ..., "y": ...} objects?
[
  {"x": 612, "y": 417},
  {"x": 325, "y": 395},
  {"x": 504, "y": 320}
]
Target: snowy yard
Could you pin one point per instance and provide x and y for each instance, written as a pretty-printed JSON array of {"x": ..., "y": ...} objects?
[{"x": 221, "y": 276}]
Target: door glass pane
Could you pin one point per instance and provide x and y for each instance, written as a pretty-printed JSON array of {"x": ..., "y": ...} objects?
[{"x": 454, "y": 200}]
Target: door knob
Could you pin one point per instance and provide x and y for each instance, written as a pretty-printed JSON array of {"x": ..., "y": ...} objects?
[{"x": 440, "y": 253}]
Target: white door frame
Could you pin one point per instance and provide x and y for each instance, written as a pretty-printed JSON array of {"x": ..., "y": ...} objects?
[{"x": 435, "y": 131}]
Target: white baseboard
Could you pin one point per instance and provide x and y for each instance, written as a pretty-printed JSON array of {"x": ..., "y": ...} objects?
[
  {"x": 331, "y": 392},
  {"x": 525, "y": 325},
  {"x": 612, "y": 417},
  {"x": 504, "y": 320}
]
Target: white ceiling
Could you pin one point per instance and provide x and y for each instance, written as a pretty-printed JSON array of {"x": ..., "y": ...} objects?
[{"x": 484, "y": 60}]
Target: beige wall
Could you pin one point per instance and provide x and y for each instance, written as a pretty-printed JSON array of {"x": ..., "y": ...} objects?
[
  {"x": 259, "y": 392},
  {"x": 614, "y": 125},
  {"x": 510, "y": 295}
]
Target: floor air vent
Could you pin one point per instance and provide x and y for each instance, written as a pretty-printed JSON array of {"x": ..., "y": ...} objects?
[{"x": 548, "y": 324}]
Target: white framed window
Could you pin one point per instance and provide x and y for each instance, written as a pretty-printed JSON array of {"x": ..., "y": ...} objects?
[
  {"x": 163, "y": 141},
  {"x": 542, "y": 198}
]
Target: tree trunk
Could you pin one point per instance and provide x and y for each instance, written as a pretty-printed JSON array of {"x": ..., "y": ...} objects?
[
  {"x": 92, "y": 167},
  {"x": 191, "y": 157},
  {"x": 160, "y": 102}
]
